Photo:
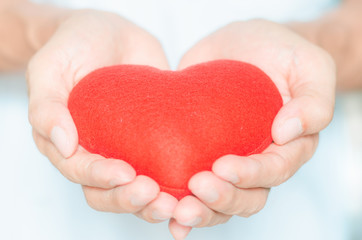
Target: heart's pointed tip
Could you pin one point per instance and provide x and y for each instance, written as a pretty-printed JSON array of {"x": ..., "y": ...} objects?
[
  {"x": 178, "y": 193},
  {"x": 168, "y": 126}
]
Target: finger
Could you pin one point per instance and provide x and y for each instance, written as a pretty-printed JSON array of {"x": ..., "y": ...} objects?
[
  {"x": 191, "y": 212},
  {"x": 204, "y": 50},
  {"x": 178, "y": 231},
  {"x": 309, "y": 72},
  {"x": 56, "y": 68},
  {"x": 48, "y": 112},
  {"x": 52, "y": 120},
  {"x": 270, "y": 168},
  {"x": 222, "y": 196},
  {"x": 160, "y": 209},
  {"x": 144, "y": 49},
  {"x": 130, "y": 198},
  {"x": 85, "y": 168},
  {"x": 313, "y": 95}
]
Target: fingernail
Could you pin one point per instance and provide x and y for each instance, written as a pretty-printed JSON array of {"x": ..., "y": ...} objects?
[
  {"x": 291, "y": 129},
  {"x": 226, "y": 172},
  {"x": 193, "y": 222},
  {"x": 121, "y": 180},
  {"x": 209, "y": 195},
  {"x": 138, "y": 201},
  {"x": 157, "y": 216},
  {"x": 124, "y": 178},
  {"x": 61, "y": 141}
]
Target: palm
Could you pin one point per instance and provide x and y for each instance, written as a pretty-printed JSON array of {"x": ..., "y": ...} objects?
[
  {"x": 304, "y": 75},
  {"x": 274, "y": 49},
  {"x": 85, "y": 41}
]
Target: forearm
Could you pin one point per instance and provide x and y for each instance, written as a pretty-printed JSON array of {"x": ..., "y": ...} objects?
[
  {"x": 340, "y": 33},
  {"x": 24, "y": 28}
]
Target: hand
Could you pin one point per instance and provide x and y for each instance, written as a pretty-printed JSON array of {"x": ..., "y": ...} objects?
[
  {"x": 305, "y": 76},
  {"x": 84, "y": 41}
]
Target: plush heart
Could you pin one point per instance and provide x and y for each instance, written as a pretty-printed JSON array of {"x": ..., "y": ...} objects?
[{"x": 170, "y": 125}]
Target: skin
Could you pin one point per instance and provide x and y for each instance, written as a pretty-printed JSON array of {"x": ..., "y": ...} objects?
[
  {"x": 62, "y": 45},
  {"x": 339, "y": 33},
  {"x": 24, "y": 28},
  {"x": 61, "y": 56},
  {"x": 240, "y": 185},
  {"x": 73, "y": 51}
]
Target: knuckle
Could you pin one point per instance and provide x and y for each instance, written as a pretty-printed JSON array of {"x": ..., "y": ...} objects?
[
  {"x": 257, "y": 207},
  {"x": 71, "y": 171},
  {"x": 91, "y": 201},
  {"x": 308, "y": 147},
  {"x": 69, "y": 174},
  {"x": 122, "y": 205},
  {"x": 205, "y": 223},
  {"x": 231, "y": 205},
  {"x": 282, "y": 169},
  {"x": 145, "y": 215},
  {"x": 118, "y": 201},
  {"x": 247, "y": 172},
  {"x": 250, "y": 212},
  {"x": 89, "y": 171},
  {"x": 219, "y": 219},
  {"x": 83, "y": 170},
  {"x": 322, "y": 112},
  {"x": 74, "y": 173},
  {"x": 92, "y": 204},
  {"x": 245, "y": 214},
  {"x": 223, "y": 220}
]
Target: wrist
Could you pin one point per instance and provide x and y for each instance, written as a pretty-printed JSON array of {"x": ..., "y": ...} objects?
[
  {"x": 339, "y": 34},
  {"x": 40, "y": 22},
  {"x": 24, "y": 28}
]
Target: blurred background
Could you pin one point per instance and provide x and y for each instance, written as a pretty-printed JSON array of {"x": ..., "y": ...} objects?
[{"x": 322, "y": 201}]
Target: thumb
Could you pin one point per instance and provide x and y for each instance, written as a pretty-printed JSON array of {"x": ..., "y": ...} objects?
[
  {"x": 48, "y": 111},
  {"x": 52, "y": 120},
  {"x": 312, "y": 104}
]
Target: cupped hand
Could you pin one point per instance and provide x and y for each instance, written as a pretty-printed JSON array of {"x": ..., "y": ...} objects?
[
  {"x": 84, "y": 41},
  {"x": 305, "y": 76}
]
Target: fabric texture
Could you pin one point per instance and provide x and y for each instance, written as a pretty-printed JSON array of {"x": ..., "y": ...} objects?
[{"x": 170, "y": 125}]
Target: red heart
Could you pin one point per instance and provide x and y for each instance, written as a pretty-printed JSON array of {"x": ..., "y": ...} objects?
[{"x": 170, "y": 125}]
